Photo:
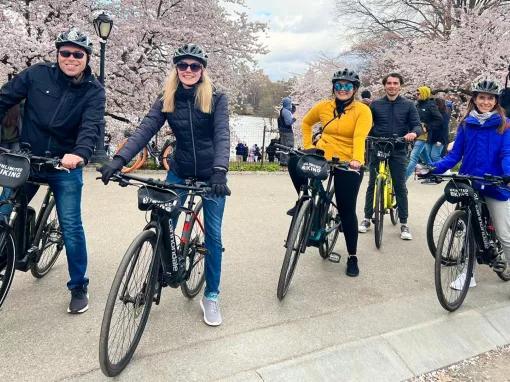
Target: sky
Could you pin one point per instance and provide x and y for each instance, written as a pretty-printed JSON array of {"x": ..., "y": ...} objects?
[{"x": 299, "y": 31}]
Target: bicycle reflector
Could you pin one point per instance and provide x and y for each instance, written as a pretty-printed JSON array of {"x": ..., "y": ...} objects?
[
  {"x": 14, "y": 170},
  {"x": 313, "y": 166}
]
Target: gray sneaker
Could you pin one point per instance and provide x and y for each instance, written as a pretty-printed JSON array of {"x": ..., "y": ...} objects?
[
  {"x": 211, "y": 309},
  {"x": 404, "y": 232}
]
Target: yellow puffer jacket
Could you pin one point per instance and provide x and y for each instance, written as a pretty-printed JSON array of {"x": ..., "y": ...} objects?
[{"x": 344, "y": 137}]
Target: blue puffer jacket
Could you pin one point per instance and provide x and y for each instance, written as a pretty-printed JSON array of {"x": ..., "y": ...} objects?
[
  {"x": 483, "y": 151},
  {"x": 60, "y": 117},
  {"x": 202, "y": 140}
]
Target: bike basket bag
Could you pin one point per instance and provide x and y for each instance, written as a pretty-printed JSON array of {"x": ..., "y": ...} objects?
[
  {"x": 14, "y": 170},
  {"x": 312, "y": 166},
  {"x": 456, "y": 192},
  {"x": 151, "y": 197}
]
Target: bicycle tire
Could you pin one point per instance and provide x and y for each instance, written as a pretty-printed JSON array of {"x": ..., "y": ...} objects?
[
  {"x": 451, "y": 266},
  {"x": 379, "y": 212},
  {"x": 141, "y": 301},
  {"x": 329, "y": 215},
  {"x": 165, "y": 158},
  {"x": 438, "y": 215},
  {"x": 139, "y": 159},
  {"x": 49, "y": 240},
  {"x": 7, "y": 264},
  {"x": 195, "y": 255},
  {"x": 295, "y": 243}
]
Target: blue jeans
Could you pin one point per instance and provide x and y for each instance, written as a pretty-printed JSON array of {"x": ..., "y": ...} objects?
[
  {"x": 419, "y": 151},
  {"x": 435, "y": 151},
  {"x": 67, "y": 188},
  {"x": 213, "y": 215}
]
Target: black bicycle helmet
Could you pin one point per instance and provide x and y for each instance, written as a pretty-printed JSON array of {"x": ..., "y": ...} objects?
[
  {"x": 74, "y": 37},
  {"x": 347, "y": 75},
  {"x": 486, "y": 86},
  {"x": 191, "y": 51}
]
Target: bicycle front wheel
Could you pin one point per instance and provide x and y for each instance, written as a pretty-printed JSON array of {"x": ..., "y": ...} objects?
[
  {"x": 49, "y": 240},
  {"x": 379, "y": 212},
  {"x": 438, "y": 215},
  {"x": 128, "y": 305},
  {"x": 195, "y": 253},
  {"x": 296, "y": 243},
  {"x": 330, "y": 221},
  {"x": 454, "y": 261},
  {"x": 7, "y": 264}
]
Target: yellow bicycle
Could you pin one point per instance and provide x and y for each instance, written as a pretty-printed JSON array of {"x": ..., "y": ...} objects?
[{"x": 384, "y": 194}]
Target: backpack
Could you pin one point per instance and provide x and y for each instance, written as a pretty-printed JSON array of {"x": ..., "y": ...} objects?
[{"x": 504, "y": 97}]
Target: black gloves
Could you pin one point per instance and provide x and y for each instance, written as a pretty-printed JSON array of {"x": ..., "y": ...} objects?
[
  {"x": 110, "y": 167},
  {"x": 424, "y": 173},
  {"x": 218, "y": 182}
]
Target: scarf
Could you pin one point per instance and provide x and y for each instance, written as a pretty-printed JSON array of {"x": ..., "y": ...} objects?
[{"x": 481, "y": 117}]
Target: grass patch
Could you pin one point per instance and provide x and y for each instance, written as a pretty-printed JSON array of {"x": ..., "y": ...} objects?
[{"x": 254, "y": 166}]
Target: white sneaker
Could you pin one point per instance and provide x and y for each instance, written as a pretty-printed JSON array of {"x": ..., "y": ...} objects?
[
  {"x": 404, "y": 232},
  {"x": 364, "y": 226},
  {"x": 460, "y": 280}
]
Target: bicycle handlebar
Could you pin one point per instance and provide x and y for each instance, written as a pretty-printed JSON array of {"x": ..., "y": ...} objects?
[
  {"x": 124, "y": 179},
  {"x": 54, "y": 162},
  {"x": 492, "y": 179}
]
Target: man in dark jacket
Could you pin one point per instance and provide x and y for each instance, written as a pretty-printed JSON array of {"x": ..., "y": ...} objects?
[
  {"x": 64, "y": 110},
  {"x": 393, "y": 115},
  {"x": 285, "y": 121}
]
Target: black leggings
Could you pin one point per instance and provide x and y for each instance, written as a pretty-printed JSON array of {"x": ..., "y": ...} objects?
[{"x": 347, "y": 184}]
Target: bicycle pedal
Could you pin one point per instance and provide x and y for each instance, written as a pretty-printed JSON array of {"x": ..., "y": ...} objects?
[{"x": 334, "y": 257}]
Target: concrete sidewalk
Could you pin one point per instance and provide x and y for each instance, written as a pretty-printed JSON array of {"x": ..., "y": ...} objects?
[{"x": 384, "y": 325}]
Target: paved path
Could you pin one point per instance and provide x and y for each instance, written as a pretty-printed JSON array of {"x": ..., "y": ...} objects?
[{"x": 384, "y": 325}]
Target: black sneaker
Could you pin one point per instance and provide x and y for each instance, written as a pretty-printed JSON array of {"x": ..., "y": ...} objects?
[
  {"x": 352, "y": 266},
  {"x": 79, "y": 301},
  {"x": 292, "y": 211}
]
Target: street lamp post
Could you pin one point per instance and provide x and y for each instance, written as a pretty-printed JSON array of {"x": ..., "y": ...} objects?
[{"x": 103, "y": 26}]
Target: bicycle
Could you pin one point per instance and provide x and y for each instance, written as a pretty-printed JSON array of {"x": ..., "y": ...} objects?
[
  {"x": 316, "y": 221},
  {"x": 28, "y": 241},
  {"x": 152, "y": 261},
  {"x": 467, "y": 233},
  {"x": 160, "y": 157},
  {"x": 440, "y": 211},
  {"x": 384, "y": 193}
]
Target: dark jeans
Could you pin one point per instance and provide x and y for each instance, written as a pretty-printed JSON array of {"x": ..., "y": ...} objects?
[
  {"x": 67, "y": 188},
  {"x": 286, "y": 139},
  {"x": 347, "y": 185},
  {"x": 398, "y": 166},
  {"x": 213, "y": 216}
]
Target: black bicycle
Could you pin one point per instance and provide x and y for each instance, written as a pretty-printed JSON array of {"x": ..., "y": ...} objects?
[
  {"x": 467, "y": 234},
  {"x": 316, "y": 221},
  {"x": 28, "y": 241},
  {"x": 153, "y": 260}
]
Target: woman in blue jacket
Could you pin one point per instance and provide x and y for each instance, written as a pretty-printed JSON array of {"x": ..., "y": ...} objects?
[
  {"x": 483, "y": 145},
  {"x": 198, "y": 117}
]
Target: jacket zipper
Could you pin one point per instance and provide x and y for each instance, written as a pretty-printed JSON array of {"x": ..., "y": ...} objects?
[
  {"x": 192, "y": 138},
  {"x": 62, "y": 100}
]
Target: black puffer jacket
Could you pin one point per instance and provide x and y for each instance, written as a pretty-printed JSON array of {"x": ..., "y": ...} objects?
[
  {"x": 433, "y": 120},
  {"x": 59, "y": 116},
  {"x": 397, "y": 117},
  {"x": 202, "y": 140}
]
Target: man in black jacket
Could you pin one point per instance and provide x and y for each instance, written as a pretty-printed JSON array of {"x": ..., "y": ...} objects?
[
  {"x": 64, "y": 110},
  {"x": 393, "y": 115}
]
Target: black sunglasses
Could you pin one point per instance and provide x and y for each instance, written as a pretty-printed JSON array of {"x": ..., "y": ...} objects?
[
  {"x": 183, "y": 66},
  {"x": 67, "y": 53}
]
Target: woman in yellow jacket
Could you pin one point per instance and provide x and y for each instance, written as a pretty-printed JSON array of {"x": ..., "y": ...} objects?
[{"x": 346, "y": 124}]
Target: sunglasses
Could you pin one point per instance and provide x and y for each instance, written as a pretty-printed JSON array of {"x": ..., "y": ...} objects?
[
  {"x": 346, "y": 87},
  {"x": 182, "y": 67},
  {"x": 66, "y": 54}
]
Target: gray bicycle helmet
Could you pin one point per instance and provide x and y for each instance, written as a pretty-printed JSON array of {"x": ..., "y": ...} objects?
[
  {"x": 191, "y": 51},
  {"x": 74, "y": 37},
  {"x": 486, "y": 86},
  {"x": 347, "y": 75}
]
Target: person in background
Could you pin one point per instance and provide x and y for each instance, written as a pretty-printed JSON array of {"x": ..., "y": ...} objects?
[
  {"x": 366, "y": 97},
  {"x": 239, "y": 152},
  {"x": 11, "y": 128},
  {"x": 285, "y": 122}
]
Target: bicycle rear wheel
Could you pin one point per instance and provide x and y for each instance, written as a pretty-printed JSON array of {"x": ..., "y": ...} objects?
[
  {"x": 195, "y": 253},
  {"x": 128, "y": 305},
  {"x": 379, "y": 212},
  {"x": 296, "y": 244},
  {"x": 137, "y": 161},
  {"x": 49, "y": 240},
  {"x": 454, "y": 261},
  {"x": 165, "y": 158},
  {"x": 7, "y": 263},
  {"x": 438, "y": 215},
  {"x": 330, "y": 221}
]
